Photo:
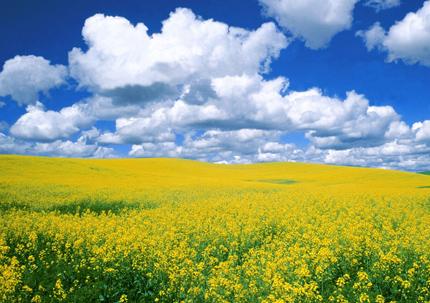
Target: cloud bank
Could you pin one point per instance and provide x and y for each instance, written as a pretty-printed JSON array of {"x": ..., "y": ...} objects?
[{"x": 200, "y": 89}]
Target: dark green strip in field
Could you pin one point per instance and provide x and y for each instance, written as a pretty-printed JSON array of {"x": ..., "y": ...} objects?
[{"x": 278, "y": 181}]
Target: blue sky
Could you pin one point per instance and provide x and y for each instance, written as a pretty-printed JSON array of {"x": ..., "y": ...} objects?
[{"x": 52, "y": 104}]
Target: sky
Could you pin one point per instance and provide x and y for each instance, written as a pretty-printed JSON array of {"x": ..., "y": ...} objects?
[{"x": 339, "y": 82}]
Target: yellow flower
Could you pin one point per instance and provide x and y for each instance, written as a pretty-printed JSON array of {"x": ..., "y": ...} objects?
[
  {"x": 59, "y": 292},
  {"x": 362, "y": 276},
  {"x": 27, "y": 288},
  {"x": 36, "y": 299},
  {"x": 340, "y": 282},
  {"x": 364, "y": 298},
  {"x": 217, "y": 233}
]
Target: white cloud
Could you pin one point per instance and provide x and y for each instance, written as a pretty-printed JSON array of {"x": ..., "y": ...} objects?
[
  {"x": 242, "y": 102},
  {"x": 80, "y": 148},
  {"x": 187, "y": 48},
  {"x": 163, "y": 149},
  {"x": 159, "y": 124},
  {"x": 38, "y": 124},
  {"x": 238, "y": 142},
  {"x": 398, "y": 130},
  {"x": 329, "y": 122},
  {"x": 314, "y": 21},
  {"x": 24, "y": 77},
  {"x": 407, "y": 40},
  {"x": 210, "y": 79},
  {"x": 422, "y": 131},
  {"x": 196, "y": 90},
  {"x": 89, "y": 135},
  {"x": 379, "y": 5},
  {"x": 373, "y": 37},
  {"x": 104, "y": 108},
  {"x": 393, "y": 155},
  {"x": 72, "y": 149},
  {"x": 248, "y": 145},
  {"x": 275, "y": 151},
  {"x": 239, "y": 146},
  {"x": 9, "y": 145}
]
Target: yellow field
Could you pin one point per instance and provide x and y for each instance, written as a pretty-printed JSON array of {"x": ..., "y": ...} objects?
[{"x": 160, "y": 230}]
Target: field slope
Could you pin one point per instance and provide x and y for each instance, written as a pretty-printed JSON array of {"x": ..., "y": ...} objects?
[{"x": 171, "y": 230}]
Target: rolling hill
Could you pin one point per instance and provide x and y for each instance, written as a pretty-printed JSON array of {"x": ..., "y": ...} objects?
[{"x": 171, "y": 230}]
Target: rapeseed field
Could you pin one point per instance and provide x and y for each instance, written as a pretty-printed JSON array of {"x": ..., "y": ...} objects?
[{"x": 166, "y": 230}]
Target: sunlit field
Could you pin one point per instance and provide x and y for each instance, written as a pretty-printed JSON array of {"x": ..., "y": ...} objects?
[{"x": 160, "y": 230}]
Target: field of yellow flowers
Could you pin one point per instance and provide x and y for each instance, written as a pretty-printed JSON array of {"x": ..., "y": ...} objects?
[{"x": 160, "y": 230}]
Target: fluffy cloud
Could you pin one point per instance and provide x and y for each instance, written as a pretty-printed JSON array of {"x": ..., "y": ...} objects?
[
  {"x": 422, "y": 131},
  {"x": 406, "y": 148},
  {"x": 122, "y": 55},
  {"x": 237, "y": 146},
  {"x": 393, "y": 155},
  {"x": 407, "y": 40},
  {"x": 198, "y": 89},
  {"x": 382, "y": 4},
  {"x": 9, "y": 145},
  {"x": 314, "y": 21},
  {"x": 78, "y": 149},
  {"x": 275, "y": 151},
  {"x": 373, "y": 37},
  {"x": 38, "y": 124},
  {"x": 247, "y": 146},
  {"x": 233, "y": 146},
  {"x": 163, "y": 149},
  {"x": 72, "y": 149},
  {"x": 23, "y": 77},
  {"x": 159, "y": 124},
  {"x": 243, "y": 102}
]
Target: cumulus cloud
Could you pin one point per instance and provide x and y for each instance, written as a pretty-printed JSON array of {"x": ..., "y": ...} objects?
[
  {"x": 159, "y": 124},
  {"x": 123, "y": 55},
  {"x": 393, "y": 155},
  {"x": 58, "y": 148},
  {"x": 72, "y": 149},
  {"x": 379, "y": 5},
  {"x": 243, "y": 102},
  {"x": 162, "y": 149},
  {"x": 248, "y": 146},
  {"x": 276, "y": 151},
  {"x": 24, "y": 77},
  {"x": 9, "y": 145},
  {"x": 407, "y": 40},
  {"x": 234, "y": 146},
  {"x": 422, "y": 131},
  {"x": 373, "y": 37},
  {"x": 314, "y": 21},
  {"x": 198, "y": 89},
  {"x": 38, "y": 124},
  {"x": 245, "y": 119}
]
